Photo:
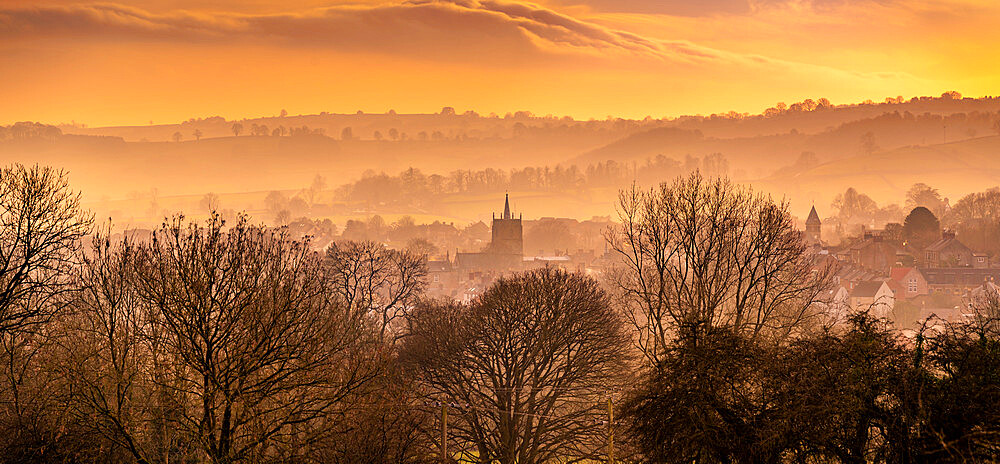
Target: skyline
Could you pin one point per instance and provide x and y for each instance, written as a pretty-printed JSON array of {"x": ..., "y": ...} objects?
[{"x": 141, "y": 61}]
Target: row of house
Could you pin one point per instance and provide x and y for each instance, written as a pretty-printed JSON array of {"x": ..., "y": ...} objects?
[{"x": 875, "y": 273}]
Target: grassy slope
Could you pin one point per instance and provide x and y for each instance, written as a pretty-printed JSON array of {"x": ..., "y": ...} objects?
[{"x": 956, "y": 169}]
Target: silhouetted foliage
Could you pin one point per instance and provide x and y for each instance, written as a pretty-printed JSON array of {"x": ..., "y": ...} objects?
[
  {"x": 41, "y": 222},
  {"x": 526, "y": 366},
  {"x": 921, "y": 227},
  {"x": 700, "y": 254}
]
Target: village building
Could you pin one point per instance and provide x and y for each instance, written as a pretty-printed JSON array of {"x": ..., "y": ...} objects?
[
  {"x": 814, "y": 228},
  {"x": 958, "y": 280},
  {"x": 872, "y": 252},
  {"x": 947, "y": 252},
  {"x": 908, "y": 282},
  {"x": 506, "y": 248},
  {"x": 874, "y": 296}
]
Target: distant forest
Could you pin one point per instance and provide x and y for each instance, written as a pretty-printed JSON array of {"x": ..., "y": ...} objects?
[
  {"x": 808, "y": 152},
  {"x": 413, "y": 188}
]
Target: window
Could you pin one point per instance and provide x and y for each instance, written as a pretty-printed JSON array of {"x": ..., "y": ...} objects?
[{"x": 911, "y": 286}]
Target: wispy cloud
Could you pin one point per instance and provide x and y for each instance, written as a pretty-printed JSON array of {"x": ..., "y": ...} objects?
[{"x": 430, "y": 28}]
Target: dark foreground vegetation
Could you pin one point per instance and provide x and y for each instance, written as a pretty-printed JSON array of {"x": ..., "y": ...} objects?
[{"x": 710, "y": 342}]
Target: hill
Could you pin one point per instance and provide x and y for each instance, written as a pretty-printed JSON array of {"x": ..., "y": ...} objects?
[{"x": 955, "y": 169}]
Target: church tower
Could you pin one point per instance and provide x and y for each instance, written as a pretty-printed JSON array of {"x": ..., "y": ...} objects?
[
  {"x": 813, "y": 227},
  {"x": 507, "y": 242}
]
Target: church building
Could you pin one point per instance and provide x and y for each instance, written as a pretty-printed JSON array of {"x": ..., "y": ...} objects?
[
  {"x": 813, "y": 228},
  {"x": 506, "y": 248}
]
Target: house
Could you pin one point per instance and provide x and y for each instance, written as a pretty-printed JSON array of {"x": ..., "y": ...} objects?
[
  {"x": 947, "y": 252},
  {"x": 442, "y": 277},
  {"x": 958, "y": 280},
  {"x": 871, "y": 252},
  {"x": 849, "y": 276},
  {"x": 834, "y": 304},
  {"x": 908, "y": 282},
  {"x": 873, "y": 295},
  {"x": 982, "y": 300}
]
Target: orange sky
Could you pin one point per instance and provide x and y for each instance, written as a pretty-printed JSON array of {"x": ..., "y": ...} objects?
[{"x": 170, "y": 60}]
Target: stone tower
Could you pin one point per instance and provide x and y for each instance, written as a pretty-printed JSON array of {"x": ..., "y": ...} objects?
[
  {"x": 507, "y": 240},
  {"x": 813, "y": 227}
]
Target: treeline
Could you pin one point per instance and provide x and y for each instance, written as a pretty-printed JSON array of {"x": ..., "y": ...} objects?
[
  {"x": 975, "y": 218},
  {"x": 711, "y": 341},
  {"x": 28, "y": 130},
  {"x": 413, "y": 188},
  {"x": 201, "y": 343}
]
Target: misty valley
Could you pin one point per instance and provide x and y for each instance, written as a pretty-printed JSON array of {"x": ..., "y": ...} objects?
[
  {"x": 652, "y": 293},
  {"x": 499, "y": 232}
]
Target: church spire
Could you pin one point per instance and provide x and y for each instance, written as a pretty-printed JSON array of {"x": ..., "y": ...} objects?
[
  {"x": 506, "y": 207},
  {"x": 813, "y": 217}
]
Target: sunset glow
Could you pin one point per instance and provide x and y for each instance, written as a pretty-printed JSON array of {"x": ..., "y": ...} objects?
[{"x": 167, "y": 61}]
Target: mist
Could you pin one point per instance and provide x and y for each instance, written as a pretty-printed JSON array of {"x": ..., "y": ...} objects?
[{"x": 499, "y": 232}]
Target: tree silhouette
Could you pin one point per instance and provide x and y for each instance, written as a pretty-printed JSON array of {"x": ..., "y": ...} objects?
[
  {"x": 237, "y": 128},
  {"x": 921, "y": 227},
  {"x": 921, "y": 194},
  {"x": 42, "y": 223},
  {"x": 868, "y": 143},
  {"x": 209, "y": 203},
  {"x": 529, "y": 364},
  {"x": 177, "y": 136},
  {"x": 700, "y": 254},
  {"x": 197, "y": 134}
]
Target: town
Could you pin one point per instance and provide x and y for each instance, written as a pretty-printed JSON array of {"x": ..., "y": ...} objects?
[{"x": 499, "y": 232}]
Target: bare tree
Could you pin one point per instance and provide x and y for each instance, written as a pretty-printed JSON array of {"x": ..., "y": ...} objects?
[
  {"x": 373, "y": 279},
  {"x": 107, "y": 354},
  {"x": 237, "y": 128},
  {"x": 283, "y": 217},
  {"x": 232, "y": 336},
  {"x": 700, "y": 253},
  {"x": 317, "y": 186},
  {"x": 526, "y": 369},
  {"x": 209, "y": 202},
  {"x": 41, "y": 222},
  {"x": 197, "y": 134}
]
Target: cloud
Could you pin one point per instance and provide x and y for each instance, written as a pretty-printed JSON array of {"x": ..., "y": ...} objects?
[
  {"x": 459, "y": 29},
  {"x": 496, "y": 43},
  {"x": 667, "y": 7}
]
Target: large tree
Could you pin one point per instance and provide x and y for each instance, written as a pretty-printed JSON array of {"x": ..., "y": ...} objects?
[
  {"x": 976, "y": 218},
  {"x": 41, "y": 223},
  {"x": 224, "y": 343},
  {"x": 921, "y": 227},
  {"x": 377, "y": 282},
  {"x": 527, "y": 367},
  {"x": 703, "y": 253},
  {"x": 921, "y": 194}
]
